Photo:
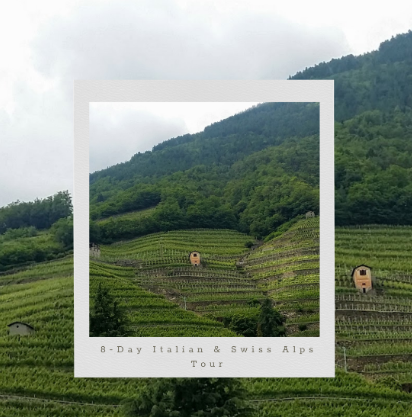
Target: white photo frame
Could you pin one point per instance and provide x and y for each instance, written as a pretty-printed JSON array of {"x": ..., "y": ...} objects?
[{"x": 318, "y": 357}]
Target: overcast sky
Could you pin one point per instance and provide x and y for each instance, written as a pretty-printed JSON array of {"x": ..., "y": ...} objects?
[
  {"x": 45, "y": 45},
  {"x": 119, "y": 130}
]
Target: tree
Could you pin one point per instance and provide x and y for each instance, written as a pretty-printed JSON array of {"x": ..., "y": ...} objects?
[
  {"x": 270, "y": 321},
  {"x": 106, "y": 318},
  {"x": 63, "y": 232},
  {"x": 95, "y": 234},
  {"x": 189, "y": 397},
  {"x": 243, "y": 324}
]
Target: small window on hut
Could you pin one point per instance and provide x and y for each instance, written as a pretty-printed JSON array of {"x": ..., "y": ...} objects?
[
  {"x": 363, "y": 271},
  {"x": 194, "y": 255}
]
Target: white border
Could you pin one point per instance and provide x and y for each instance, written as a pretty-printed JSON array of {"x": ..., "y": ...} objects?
[{"x": 89, "y": 361}]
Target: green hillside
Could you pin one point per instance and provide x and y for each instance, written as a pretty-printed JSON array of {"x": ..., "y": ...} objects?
[
  {"x": 231, "y": 276},
  {"x": 41, "y": 366},
  {"x": 160, "y": 264},
  {"x": 248, "y": 177},
  {"x": 287, "y": 269},
  {"x": 256, "y": 194}
]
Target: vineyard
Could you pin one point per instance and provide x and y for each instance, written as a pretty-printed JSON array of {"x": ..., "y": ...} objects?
[
  {"x": 161, "y": 266},
  {"x": 287, "y": 269},
  {"x": 150, "y": 314},
  {"x": 36, "y": 375},
  {"x": 231, "y": 275},
  {"x": 37, "y": 371},
  {"x": 374, "y": 331}
]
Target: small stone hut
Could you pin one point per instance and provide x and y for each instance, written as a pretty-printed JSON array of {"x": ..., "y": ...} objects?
[
  {"x": 94, "y": 250},
  {"x": 194, "y": 258},
  {"x": 310, "y": 214},
  {"x": 20, "y": 328},
  {"x": 362, "y": 277}
]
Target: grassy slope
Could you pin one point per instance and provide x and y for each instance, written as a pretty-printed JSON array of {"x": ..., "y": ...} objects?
[{"x": 42, "y": 365}]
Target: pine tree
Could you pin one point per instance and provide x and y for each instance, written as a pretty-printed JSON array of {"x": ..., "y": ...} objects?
[
  {"x": 270, "y": 321},
  {"x": 106, "y": 318}
]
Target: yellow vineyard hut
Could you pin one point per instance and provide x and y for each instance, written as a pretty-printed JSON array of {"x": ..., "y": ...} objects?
[
  {"x": 194, "y": 258},
  {"x": 362, "y": 278}
]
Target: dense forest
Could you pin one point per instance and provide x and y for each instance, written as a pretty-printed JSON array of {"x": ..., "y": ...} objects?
[
  {"x": 40, "y": 214},
  {"x": 36, "y": 231},
  {"x": 254, "y": 195},
  {"x": 378, "y": 80}
]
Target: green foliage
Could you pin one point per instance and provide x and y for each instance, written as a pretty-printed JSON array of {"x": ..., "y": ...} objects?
[
  {"x": 243, "y": 323},
  {"x": 106, "y": 318},
  {"x": 138, "y": 197},
  {"x": 222, "y": 143},
  {"x": 256, "y": 194},
  {"x": 39, "y": 213},
  {"x": 270, "y": 322},
  {"x": 377, "y": 80},
  {"x": 373, "y": 165},
  {"x": 25, "y": 250},
  {"x": 12, "y": 234},
  {"x": 63, "y": 232},
  {"x": 264, "y": 321},
  {"x": 190, "y": 397},
  {"x": 286, "y": 268}
]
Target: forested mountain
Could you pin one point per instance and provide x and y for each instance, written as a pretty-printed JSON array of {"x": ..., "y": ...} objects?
[
  {"x": 254, "y": 195},
  {"x": 373, "y": 110},
  {"x": 250, "y": 172},
  {"x": 257, "y": 169},
  {"x": 379, "y": 80},
  {"x": 373, "y": 97},
  {"x": 221, "y": 143}
]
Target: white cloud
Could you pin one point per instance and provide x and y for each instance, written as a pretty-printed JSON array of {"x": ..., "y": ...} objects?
[
  {"x": 47, "y": 44},
  {"x": 119, "y": 130}
]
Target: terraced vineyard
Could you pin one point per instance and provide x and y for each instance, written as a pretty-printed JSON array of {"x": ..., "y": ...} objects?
[
  {"x": 162, "y": 266},
  {"x": 150, "y": 314},
  {"x": 36, "y": 377},
  {"x": 374, "y": 330},
  {"x": 287, "y": 269}
]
